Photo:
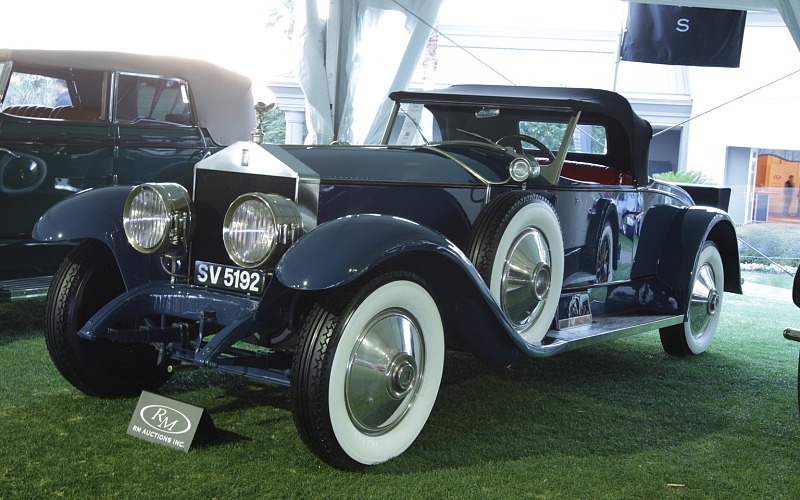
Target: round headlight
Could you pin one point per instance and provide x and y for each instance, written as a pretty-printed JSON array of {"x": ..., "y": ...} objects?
[
  {"x": 258, "y": 226},
  {"x": 158, "y": 217},
  {"x": 522, "y": 169}
]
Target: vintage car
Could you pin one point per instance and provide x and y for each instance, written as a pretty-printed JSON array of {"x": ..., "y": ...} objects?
[
  {"x": 491, "y": 220},
  {"x": 71, "y": 120}
]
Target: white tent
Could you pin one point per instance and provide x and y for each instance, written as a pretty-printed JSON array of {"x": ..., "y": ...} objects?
[
  {"x": 367, "y": 48},
  {"x": 350, "y": 62}
]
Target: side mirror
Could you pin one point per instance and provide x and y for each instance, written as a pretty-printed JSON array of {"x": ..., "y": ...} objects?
[{"x": 796, "y": 288}]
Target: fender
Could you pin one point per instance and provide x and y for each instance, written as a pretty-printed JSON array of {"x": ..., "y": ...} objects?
[
  {"x": 342, "y": 250},
  {"x": 673, "y": 256},
  {"x": 700, "y": 224},
  {"x": 338, "y": 252},
  {"x": 97, "y": 214}
]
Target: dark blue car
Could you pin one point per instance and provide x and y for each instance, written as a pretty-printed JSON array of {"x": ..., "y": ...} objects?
[{"x": 509, "y": 222}]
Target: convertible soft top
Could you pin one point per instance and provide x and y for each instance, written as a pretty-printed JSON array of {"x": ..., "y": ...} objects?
[
  {"x": 602, "y": 106},
  {"x": 223, "y": 99}
]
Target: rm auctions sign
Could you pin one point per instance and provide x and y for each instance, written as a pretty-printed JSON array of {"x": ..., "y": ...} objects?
[{"x": 168, "y": 422}]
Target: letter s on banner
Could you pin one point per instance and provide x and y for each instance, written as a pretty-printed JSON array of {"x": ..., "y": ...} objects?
[{"x": 683, "y": 36}]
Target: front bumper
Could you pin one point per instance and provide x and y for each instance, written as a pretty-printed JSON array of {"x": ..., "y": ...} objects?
[{"x": 177, "y": 342}]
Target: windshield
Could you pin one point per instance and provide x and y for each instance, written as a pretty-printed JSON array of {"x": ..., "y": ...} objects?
[{"x": 417, "y": 124}]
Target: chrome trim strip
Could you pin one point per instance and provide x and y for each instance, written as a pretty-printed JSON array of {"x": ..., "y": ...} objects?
[
  {"x": 485, "y": 181},
  {"x": 603, "y": 328}
]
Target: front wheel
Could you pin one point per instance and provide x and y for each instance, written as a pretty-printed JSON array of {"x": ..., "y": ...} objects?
[
  {"x": 694, "y": 335},
  {"x": 86, "y": 281},
  {"x": 367, "y": 370}
]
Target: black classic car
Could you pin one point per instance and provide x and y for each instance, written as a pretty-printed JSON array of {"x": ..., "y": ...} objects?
[
  {"x": 509, "y": 222},
  {"x": 72, "y": 120}
]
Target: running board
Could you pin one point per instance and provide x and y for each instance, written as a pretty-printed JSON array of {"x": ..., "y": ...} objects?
[
  {"x": 24, "y": 288},
  {"x": 601, "y": 329}
]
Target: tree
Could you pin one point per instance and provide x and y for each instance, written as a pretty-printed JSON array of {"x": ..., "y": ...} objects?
[{"x": 686, "y": 176}]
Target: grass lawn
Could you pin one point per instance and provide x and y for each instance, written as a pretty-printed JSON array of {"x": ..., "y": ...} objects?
[
  {"x": 777, "y": 280},
  {"x": 620, "y": 420}
]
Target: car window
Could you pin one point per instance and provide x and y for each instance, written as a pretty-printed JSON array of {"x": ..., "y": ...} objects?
[
  {"x": 589, "y": 139},
  {"x": 36, "y": 90},
  {"x": 152, "y": 98},
  {"x": 419, "y": 124},
  {"x": 415, "y": 125}
]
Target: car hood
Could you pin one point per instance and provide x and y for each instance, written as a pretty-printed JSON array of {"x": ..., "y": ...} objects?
[{"x": 441, "y": 164}]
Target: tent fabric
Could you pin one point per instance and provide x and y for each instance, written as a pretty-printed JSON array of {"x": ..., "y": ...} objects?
[
  {"x": 311, "y": 74},
  {"x": 349, "y": 65},
  {"x": 790, "y": 12},
  {"x": 336, "y": 56}
]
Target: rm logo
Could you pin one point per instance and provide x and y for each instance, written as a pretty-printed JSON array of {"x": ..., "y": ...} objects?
[{"x": 165, "y": 419}]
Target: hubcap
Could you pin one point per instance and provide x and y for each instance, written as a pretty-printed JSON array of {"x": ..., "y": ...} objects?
[
  {"x": 385, "y": 372},
  {"x": 526, "y": 278},
  {"x": 704, "y": 301},
  {"x": 401, "y": 375},
  {"x": 540, "y": 282}
]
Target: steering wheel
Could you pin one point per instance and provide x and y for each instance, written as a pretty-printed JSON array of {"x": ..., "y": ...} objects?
[{"x": 516, "y": 140}]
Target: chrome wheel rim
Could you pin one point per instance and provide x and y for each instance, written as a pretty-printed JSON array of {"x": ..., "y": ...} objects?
[
  {"x": 704, "y": 301},
  {"x": 526, "y": 278},
  {"x": 384, "y": 372}
]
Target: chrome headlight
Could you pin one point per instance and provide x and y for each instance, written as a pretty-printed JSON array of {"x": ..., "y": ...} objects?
[
  {"x": 158, "y": 217},
  {"x": 257, "y": 226},
  {"x": 522, "y": 169}
]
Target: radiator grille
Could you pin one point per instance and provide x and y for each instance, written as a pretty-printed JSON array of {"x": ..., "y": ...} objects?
[{"x": 214, "y": 192}]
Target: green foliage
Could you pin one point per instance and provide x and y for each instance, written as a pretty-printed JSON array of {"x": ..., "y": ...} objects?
[
  {"x": 274, "y": 126},
  {"x": 686, "y": 176},
  {"x": 552, "y": 134},
  {"x": 619, "y": 420}
]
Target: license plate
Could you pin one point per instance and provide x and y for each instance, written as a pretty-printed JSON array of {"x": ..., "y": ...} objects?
[{"x": 229, "y": 277}]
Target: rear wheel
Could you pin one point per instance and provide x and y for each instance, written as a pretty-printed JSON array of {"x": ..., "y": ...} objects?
[
  {"x": 86, "y": 281},
  {"x": 694, "y": 335},
  {"x": 367, "y": 370}
]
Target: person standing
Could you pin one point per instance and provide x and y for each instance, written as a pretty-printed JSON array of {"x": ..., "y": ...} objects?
[
  {"x": 63, "y": 98},
  {"x": 788, "y": 191},
  {"x": 797, "y": 214}
]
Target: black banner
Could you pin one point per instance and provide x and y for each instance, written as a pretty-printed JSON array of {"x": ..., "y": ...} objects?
[{"x": 688, "y": 36}]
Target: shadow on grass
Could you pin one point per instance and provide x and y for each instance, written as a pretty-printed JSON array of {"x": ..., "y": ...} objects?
[
  {"x": 21, "y": 319},
  {"x": 613, "y": 400},
  {"x": 621, "y": 398},
  {"x": 226, "y": 393},
  {"x": 617, "y": 400}
]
